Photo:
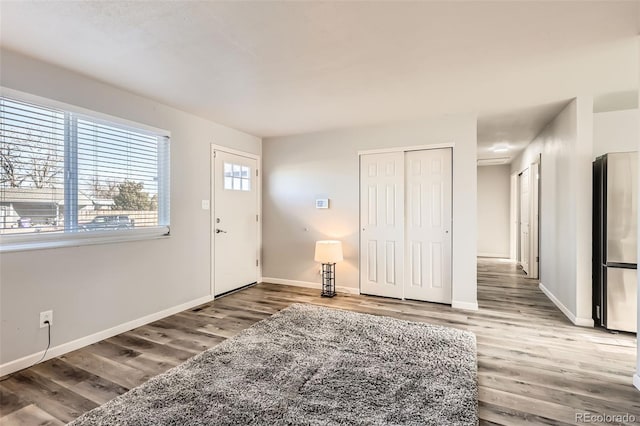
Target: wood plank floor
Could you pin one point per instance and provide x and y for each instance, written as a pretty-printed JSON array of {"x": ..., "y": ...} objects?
[{"x": 534, "y": 367}]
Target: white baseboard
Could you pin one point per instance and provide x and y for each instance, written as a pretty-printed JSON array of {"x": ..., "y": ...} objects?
[
  {"x": 468, "y": 306},
  {"x": 498, "y": 255},
  {"x": 64, "y": 348},
  {"x": 581, "y": 322},
  {"x": 636, "y": 381},
  {"x": 308, "y": 284}
]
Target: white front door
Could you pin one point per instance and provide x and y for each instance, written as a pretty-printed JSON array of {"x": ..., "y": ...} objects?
[
  {"x": 428, "y": 225},
  {"x": 382, "y": 224},
  {"x": 525, "y": 209},
  {"x": 234, "y": 222}
]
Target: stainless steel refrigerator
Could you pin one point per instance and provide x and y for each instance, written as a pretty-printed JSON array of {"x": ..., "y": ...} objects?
[{"x": 615, "y": 241}]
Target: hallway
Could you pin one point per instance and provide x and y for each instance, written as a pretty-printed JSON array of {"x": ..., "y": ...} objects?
[{"x": 541, "y": 364}]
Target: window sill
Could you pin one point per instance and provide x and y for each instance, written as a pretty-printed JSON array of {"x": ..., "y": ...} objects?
[{"x": 28, "y": 242}]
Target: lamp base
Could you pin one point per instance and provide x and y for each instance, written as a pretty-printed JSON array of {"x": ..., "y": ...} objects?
[{"x": 328, "y": 280}]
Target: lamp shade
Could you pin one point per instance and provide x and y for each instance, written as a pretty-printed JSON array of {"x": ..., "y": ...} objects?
[{"x": 328, "y": 251}]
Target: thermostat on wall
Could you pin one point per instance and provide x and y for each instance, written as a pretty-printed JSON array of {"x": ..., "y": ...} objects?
[{"x": 322, "y": 203}]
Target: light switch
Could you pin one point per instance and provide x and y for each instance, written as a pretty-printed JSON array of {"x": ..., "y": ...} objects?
[{"x": 205, "y": 205}]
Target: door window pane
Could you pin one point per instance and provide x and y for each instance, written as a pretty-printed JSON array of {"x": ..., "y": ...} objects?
[{"x": 237, "y": 177}]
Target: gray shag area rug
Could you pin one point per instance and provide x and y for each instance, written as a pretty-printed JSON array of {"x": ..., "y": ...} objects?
[{"x": 309, "y": 365}]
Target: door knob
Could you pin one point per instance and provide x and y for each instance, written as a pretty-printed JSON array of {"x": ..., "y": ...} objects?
[{"x": 218, "y": 231}]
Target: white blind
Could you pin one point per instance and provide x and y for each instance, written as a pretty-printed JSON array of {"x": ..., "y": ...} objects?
[{"x": 66, "y": 172}]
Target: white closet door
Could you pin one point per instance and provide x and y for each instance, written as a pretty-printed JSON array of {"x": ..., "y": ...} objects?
[
  {"x": 428, "y": 225},
  {"x": 382, "y": 224}
]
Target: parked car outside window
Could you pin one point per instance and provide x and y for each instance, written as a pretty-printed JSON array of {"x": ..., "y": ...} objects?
[
  {"x": 109, "y": 222},
  {"x": 24, "y": 222}
]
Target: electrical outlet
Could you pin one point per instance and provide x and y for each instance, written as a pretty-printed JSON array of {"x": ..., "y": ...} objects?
[{"x": 46, "y": 316}]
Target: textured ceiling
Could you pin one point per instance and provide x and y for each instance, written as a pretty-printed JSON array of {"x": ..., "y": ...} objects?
[{"x": 276, "y": 68}]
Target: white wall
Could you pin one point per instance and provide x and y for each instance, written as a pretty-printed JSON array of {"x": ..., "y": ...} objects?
[
  {"x": 299, "y": 169},
  {"x": 615, "y": 131},
  {"x": 93, "y": 288},
  {"x": 566, "y": 145},
  {"x": 494, "y": 187}
]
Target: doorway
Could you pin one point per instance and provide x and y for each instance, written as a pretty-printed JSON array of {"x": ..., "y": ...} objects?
[
  {"x": 534, "y": 262},
  {"x": 234, "y": 220},
  {"x": 525, "y": 211},
  {"x": 514, "y": 252},
  {"x": 405, "y": 217},
  {"x": 525, "y": 206}
]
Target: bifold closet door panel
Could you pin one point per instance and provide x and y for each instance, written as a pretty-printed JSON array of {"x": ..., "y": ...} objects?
[
  {"x": 428, "y": 187},
  {"x": 382, "y": 224}
]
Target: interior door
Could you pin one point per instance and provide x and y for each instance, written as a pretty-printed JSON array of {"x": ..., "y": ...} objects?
[
  {"x": 382, "y": 224},
  {"x": 534, "y": 222},
  {"x": 525, "y": 210},
  {"x": 428, "y": 225},
  {"x": 234, "y": 222},
  {"x": 514, "y": 219}
]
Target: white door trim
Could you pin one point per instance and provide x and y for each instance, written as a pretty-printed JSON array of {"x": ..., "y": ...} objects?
[
  {"x": 407, "y": 148},
  {"x": 212, "y": 188},
  {"x": 215, "y": 147}
]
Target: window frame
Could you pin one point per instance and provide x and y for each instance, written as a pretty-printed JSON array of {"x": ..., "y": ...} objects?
[{"x": 46, "y": 240}]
